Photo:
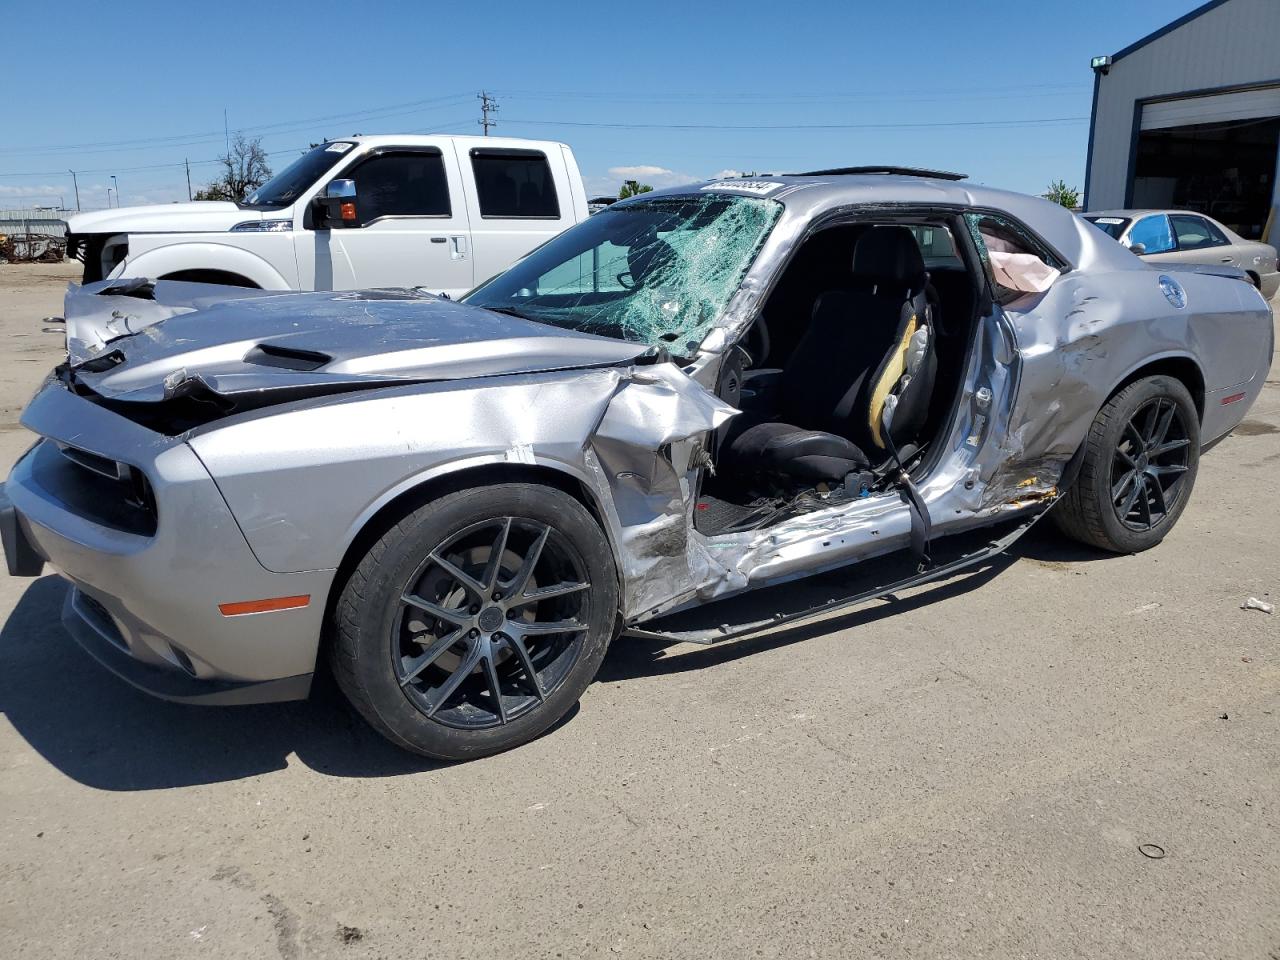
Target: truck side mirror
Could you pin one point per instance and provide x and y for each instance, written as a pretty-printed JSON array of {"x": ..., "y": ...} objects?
[{"x": 336, "y": 207}]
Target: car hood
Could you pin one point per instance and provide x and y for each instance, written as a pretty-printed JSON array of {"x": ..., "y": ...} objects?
[
  {"x": 246, "y": 352},
  {"x": 201, "y": 216}
]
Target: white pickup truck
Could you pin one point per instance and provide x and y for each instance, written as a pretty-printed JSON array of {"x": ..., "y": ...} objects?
[{"x": 439, "y": 212}]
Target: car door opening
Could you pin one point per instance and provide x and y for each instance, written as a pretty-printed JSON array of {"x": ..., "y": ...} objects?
[{"x": 847, "y": 376}]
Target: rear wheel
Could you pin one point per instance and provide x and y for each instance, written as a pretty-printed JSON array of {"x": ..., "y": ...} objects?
[
  {"x": 476, "y": 622},
  {"x": 1140, "y": 461}
]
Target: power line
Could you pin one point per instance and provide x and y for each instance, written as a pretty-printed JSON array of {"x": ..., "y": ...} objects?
[
  {"x": 1040, "y": 122},
  {"x": 186, "y": 139},
  {"x": 933, "y": 93},
  {"x": 815, "y": 101},
  {"x": 439, "y": 128}
]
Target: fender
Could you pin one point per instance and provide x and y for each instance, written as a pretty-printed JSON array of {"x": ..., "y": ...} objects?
[
  {"x": 204, "y": 255},
  {"x": 490, "y": 459},
  {"x": 1152, "y": 360}
]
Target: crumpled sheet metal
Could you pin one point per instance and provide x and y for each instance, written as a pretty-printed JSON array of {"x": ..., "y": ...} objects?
[
  {"x": 94, "y": 319},
  {"x": 642, "y": 456}
]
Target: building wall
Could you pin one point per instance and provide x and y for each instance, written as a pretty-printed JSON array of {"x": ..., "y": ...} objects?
[{"x": 1235, "y": 43}]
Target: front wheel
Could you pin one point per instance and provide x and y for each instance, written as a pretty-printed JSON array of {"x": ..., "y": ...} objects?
[
  {"x": 477, "y": 621},
  {"x": 1140, "y": 461}
]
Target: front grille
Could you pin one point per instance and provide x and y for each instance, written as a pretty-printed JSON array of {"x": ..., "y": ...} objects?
[{"x": 109, "y": 493}]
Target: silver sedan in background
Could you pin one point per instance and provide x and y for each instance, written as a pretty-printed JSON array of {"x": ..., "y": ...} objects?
[{"x": 1183, "y": 236}]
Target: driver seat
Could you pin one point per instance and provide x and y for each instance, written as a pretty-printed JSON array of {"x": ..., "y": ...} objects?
[{"x": 863, "y": 347}]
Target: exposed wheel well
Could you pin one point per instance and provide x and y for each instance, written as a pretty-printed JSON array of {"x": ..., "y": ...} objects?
[
  {"x": 224, "y": 277},
  {"x": 437, "y": 487},
  {"x": 1257, "y": 280},
  {"x": 1183, "y": 369}
]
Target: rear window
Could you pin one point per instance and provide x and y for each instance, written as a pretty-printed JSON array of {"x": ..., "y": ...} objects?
[
  {"x": 1196, "y": 232},
  {"x": 1112, "y": 226},
  {"x": 514, "y": 184}
]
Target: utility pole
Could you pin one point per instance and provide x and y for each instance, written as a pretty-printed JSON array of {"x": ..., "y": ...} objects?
[
  {"x": 488, "y": 105},
  {"x": 116, "y": 184},
  {"x": 188, "y": 166},
  {"x": 77, "y": 186},
  {"x": 226, "y": 131}
]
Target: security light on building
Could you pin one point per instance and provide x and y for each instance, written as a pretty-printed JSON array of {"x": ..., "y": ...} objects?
[{"x": 1189, "y": 118}]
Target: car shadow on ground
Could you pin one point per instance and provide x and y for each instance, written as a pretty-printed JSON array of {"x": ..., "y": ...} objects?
[
  {"x": 634, "y": 657},
  {"x": 98, "y": 730}
]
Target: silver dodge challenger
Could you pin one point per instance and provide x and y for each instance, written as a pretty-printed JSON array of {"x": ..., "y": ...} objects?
[{"x": 703, "y": 413}]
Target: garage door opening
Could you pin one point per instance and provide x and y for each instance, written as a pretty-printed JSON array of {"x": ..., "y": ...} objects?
[{"x": 1224, "y": 169}]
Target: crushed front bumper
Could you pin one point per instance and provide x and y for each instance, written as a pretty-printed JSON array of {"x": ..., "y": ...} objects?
[{"x": 146, "y": 604}]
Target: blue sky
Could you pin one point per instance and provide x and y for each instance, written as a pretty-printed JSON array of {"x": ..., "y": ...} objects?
[{"x": 668, "y": 92}]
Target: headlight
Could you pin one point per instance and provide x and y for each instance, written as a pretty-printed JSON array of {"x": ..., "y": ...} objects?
[{"x": 263, "y": 226}]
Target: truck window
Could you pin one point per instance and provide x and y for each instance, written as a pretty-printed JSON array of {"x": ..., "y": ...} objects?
[
  {"x": 409, "y": 183},
  {"x": 514, "y": 184}
]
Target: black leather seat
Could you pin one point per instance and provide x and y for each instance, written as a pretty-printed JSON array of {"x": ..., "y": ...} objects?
[{"x": 853, "y": 357}]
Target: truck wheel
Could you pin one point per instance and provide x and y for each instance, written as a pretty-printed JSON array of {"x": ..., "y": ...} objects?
[
  {"x": 477, "y": 621},
  {"x": 1140, "y": 462}
]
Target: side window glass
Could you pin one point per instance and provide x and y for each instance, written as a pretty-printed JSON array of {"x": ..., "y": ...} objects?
[
  {"x": 598, "y": 270},
  {"x": 514, "y": 184},
  {"x": 1016, "y": 262},
  {"x": 1154, "y": 233},
  {"x": 410, "y": 184},
  {"x": 1196, "y": 232},
  {"x": 936, "y": 246}
]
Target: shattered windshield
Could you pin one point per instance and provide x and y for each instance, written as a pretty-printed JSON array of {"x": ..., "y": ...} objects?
[
  {"x": 654, "y": 271},
  {"x": 284, "y": 188}
]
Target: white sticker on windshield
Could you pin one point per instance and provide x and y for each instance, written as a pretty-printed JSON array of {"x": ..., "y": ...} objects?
[
  {"x": 338, "y": 147},
  {"x": 1112, "y": 220},
  {"x": 759, "y": 188}
]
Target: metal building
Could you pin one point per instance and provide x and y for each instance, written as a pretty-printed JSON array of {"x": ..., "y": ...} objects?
[{"x": 1189, "y": 117}]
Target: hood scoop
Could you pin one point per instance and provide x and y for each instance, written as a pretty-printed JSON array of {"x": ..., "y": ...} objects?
[{"x": 286, "y": 358}]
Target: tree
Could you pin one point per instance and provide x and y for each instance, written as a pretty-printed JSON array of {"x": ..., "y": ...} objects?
[
  {"x": 244, "y": 169},
  {"x": 631, "y": 188},
  {"x": 1060, "y": 193}
]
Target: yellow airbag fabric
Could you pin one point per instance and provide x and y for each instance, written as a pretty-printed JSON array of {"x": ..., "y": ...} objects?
[{"x": 894, "y": 368}]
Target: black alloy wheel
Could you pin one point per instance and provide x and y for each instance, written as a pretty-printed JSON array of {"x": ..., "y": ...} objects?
[
  {"x": 1149, "y": 465},
  {"x": 491, "y": 622},
  {"x": 1139, "y": 465},
  {"x": 474, "y": 622}
]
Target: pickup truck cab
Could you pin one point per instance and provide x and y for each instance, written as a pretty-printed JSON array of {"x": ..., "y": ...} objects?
[{"x": 439, "y": 212}]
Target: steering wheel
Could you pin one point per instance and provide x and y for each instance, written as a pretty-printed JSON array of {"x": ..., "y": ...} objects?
[{"x": 756, "y": 343}]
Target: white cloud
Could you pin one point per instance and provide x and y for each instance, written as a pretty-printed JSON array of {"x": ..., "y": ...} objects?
[
  {"x": 725, "y": 174},
  {"x": 642, "y": 170},
  {"x": 42, "y": 191}
]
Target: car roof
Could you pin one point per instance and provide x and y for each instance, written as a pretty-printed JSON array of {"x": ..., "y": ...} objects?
[
  {"x": 806, "y": 197},
  {"x": 1145, "y": 211}
]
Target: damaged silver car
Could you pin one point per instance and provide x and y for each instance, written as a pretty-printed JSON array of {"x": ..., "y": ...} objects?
[{"x": 698, "y": 394}]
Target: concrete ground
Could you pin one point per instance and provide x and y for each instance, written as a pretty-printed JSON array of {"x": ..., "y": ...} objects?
[{"x": 968, "y": 771}]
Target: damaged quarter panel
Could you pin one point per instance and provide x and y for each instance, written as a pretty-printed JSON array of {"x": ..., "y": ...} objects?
[{"x": 1095, "y": 328}]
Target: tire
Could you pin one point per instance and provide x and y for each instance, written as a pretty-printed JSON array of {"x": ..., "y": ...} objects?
[
  {"x": 1149, "y": 432},
  {"x": 419, "y": 650}
]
